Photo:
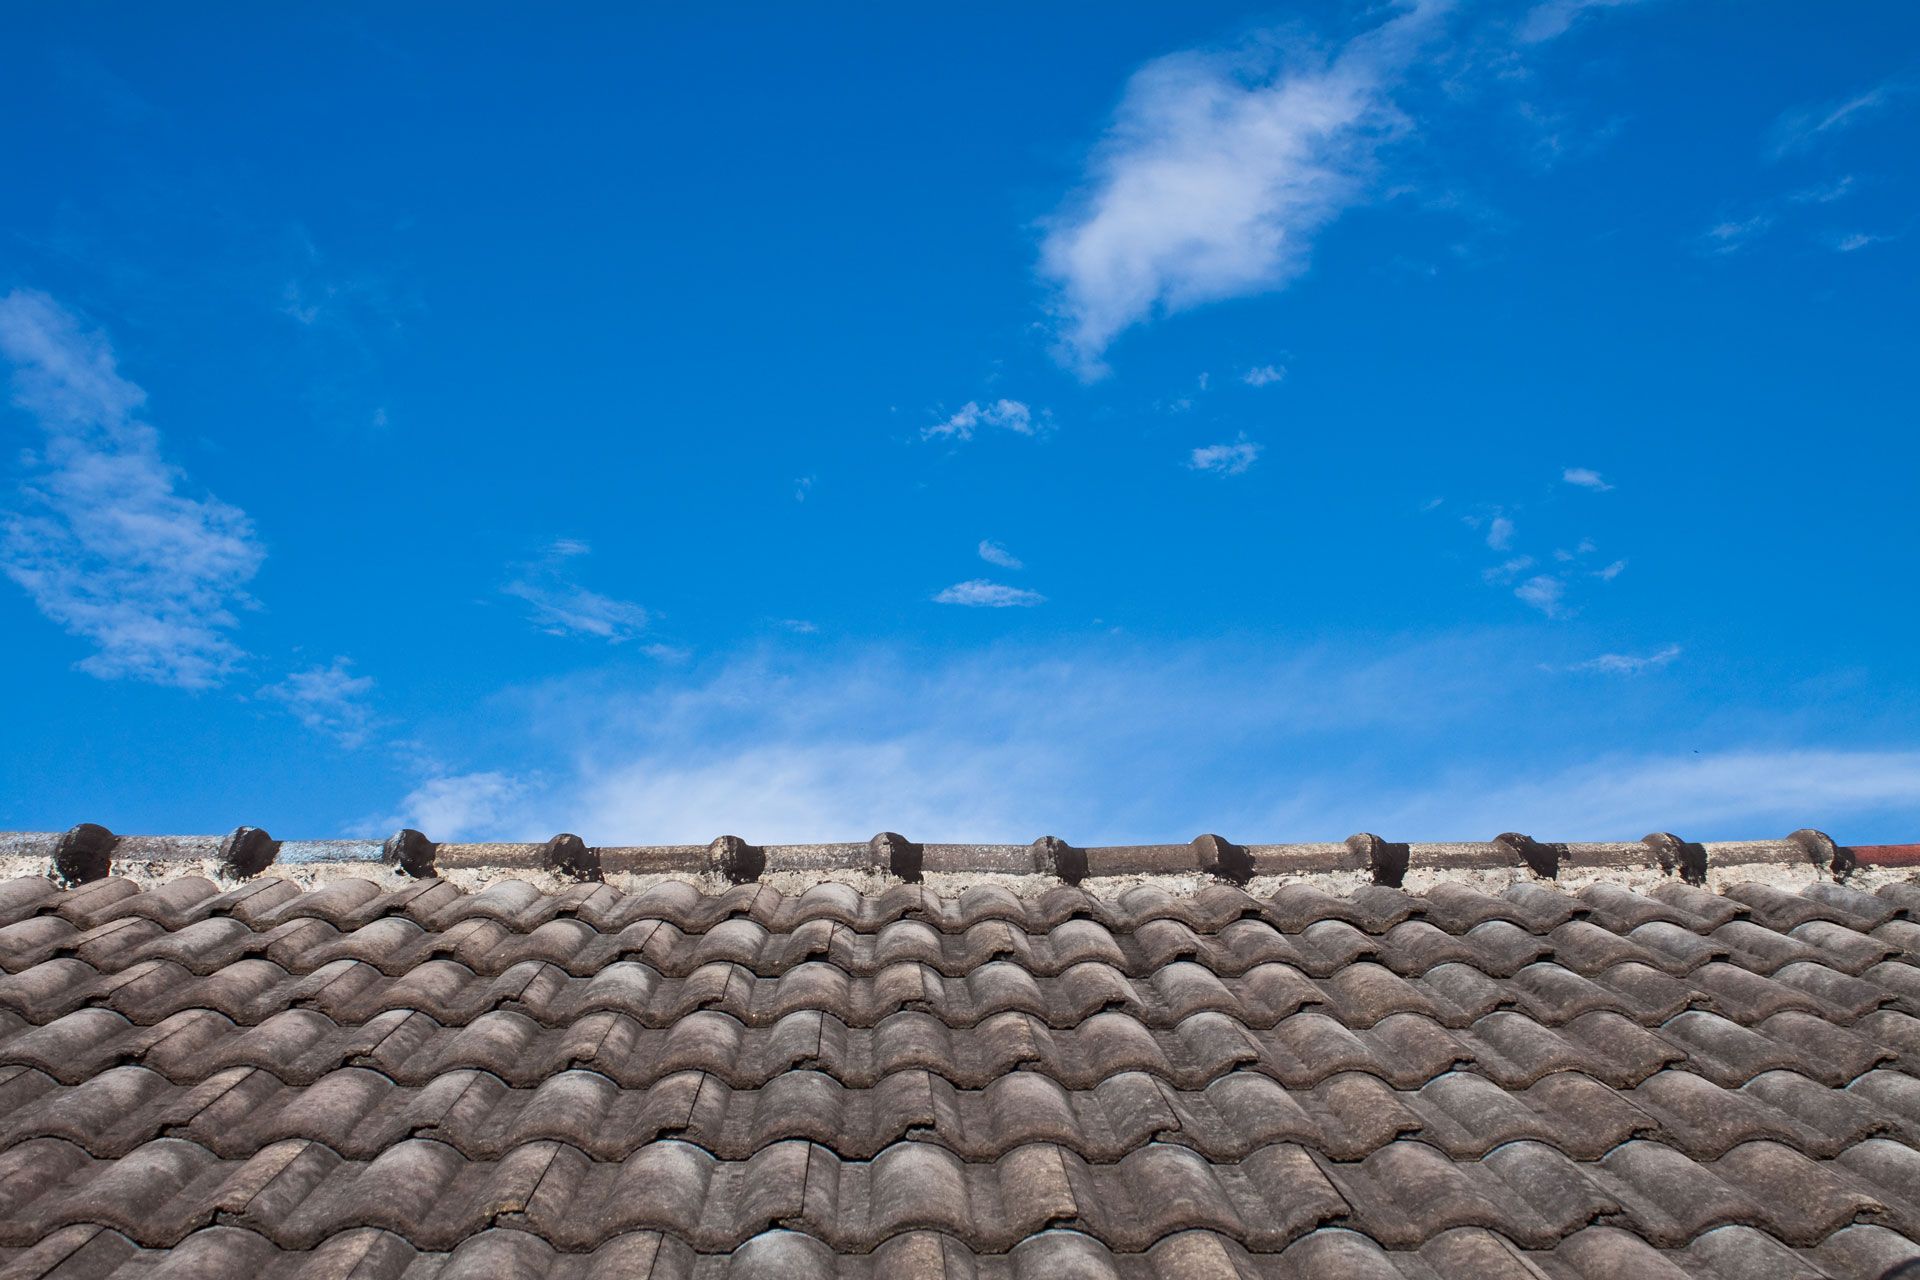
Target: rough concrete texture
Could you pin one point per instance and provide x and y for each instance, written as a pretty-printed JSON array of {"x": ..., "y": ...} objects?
[{"x": 309, "y": 873}]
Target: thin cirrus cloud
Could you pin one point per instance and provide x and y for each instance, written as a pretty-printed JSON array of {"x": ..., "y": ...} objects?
[
  {"x": 1010, "y": 415},
  {"x": 996, "y": 746},
  {"x": 1735, "y": 235},
  {"x": 1585, "y": 478},
  {"x": 105, "y": 541},
  {"x": 452, "y": 806},
  {"x": 1264, "y": 375},
  {"x": 1225, "y": 459},
  {"x": 1584, "y": 547},
  {"x": 1544, "y": 592},
  {"x": 1628, "y": 664},
  {"x": 1730, "y": 794},
  {"x": 559, "y": 605},
  {"x": 1855, "y": 241},
  {"x": 993, "y": 553},
  {"x": 1554, "y": 18},
  {"x": 1507, "y": 570},
  {"x": 330, "y": 700},
  {"x": 980, "y": 593},
  {"x": 1805, "y": 127},
  {"x": 1732, "y": 235},
  {"x": 1217, "y": 172}
]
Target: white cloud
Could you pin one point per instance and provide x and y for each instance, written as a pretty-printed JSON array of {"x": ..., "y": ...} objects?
[
  {"x": 799, "y": 626},
  {"x": 1507, "y": 570},
  {"x": 994, "y": 553},
  {"x": 1011, "y": 743},
  {"x": 1585, "y": 478},
  {"x": 1611, "y": 572},
  {"x": 1544, "y": 593},
  {"x": 1586, "y": 547},
  {"x": 1803, "y": 127},
  {"x": 1216, "y": 174},
  {"x": 980, "y": 593},
  {"x": 1500, "y": 533},
  {"x": 1825, "y": 192},
  {"x": 1552, "y": 19},
  {"x": 802, "y": 486},
  {"x": 560, "y": 606},
  {"x": 1725, "y": 795},
  {"x": 330, "y": 700},
  {"x": 1263, "y": 375},
  {"x": 960, "y": 425},
  {"x": 470, "y": 806},
  {"x": 1225, "y": 459},
  {"x": 1856, "y": 241},
  {"x": 1002, "y": 745},
  {"x": 1735, "y": 234},
  {"x": 1627, "y": 664},
  {"x": 106, "y": 543}
]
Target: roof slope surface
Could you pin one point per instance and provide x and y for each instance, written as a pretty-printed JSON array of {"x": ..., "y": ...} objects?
[{"x": 408, "y": 1080}]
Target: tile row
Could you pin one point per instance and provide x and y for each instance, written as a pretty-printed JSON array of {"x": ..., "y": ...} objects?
[
  {"x": 1405, "y": 1050},
  {"x": 360, "y": 1113},
  {"x": 396, "y": 945},
  {"x": 1359, "y": 995},
  {"x": 299, "y": 1193},
  {"x": 522, "y": 907},
  {"x": 1327, "y": 1253}
]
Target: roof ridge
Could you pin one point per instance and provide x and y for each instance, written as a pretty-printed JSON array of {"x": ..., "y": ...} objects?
[{"x": 90, "y": 851}]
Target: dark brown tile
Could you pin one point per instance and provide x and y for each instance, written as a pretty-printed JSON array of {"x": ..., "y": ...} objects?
[{"x": 404, "y": 1079}]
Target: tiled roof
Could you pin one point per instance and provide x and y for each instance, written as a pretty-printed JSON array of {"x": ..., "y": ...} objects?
[{"x": 405, "y": 1079}]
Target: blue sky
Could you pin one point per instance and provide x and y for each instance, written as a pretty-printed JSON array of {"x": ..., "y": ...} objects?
[{"x": 1275, "y": 421}]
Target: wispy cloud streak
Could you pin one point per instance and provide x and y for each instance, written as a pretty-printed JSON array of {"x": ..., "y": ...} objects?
[
  {"x": 961, "y": 424},
  {"x": 1225, "y": 459},
  {"x": 105, "y": 540},
  {"x": 489, "y": 803},
  {"x": 1544, "y": 592},
  {"x": 1554, "y": 18},
  {"x": 559, "y": 605},
  {"x": 1804, "y": 127},
  {"x": 979, "y": 593},
  {"x": 1002, "y": 744},
  {"x": 1627, "y": 664},
  {"x": 329, "y": 700},
  {"x": 1585, "y": 478},
  {"x": 993, "y": 553}
]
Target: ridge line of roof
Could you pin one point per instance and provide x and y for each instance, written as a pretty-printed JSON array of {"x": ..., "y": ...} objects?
[{"x": 89, "y": 851}]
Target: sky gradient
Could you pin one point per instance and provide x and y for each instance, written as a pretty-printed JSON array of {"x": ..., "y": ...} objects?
[{"x": 1434, "y": 420}]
